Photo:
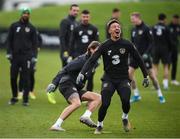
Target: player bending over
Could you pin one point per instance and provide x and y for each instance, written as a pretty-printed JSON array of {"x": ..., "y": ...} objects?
[{"x": 73, "y": 93}]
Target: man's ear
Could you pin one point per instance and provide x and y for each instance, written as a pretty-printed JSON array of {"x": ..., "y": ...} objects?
[{"x": 109, "y": 31}]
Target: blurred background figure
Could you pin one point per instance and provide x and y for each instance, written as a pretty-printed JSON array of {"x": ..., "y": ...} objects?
[
  {"x": 116, "y": 14},
  {"x": 175, "y": 32},
  {"x": 67, "y": 26},
  {"x": 142, "y": 38},
  {"x": 21, "y": 51},
  {"x": 82, "y": 36},
  {"x": 162, "y": 46},
  {"x": 32, "y": 73}
]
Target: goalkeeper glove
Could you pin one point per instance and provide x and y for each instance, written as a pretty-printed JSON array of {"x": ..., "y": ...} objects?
[
  {"x": 145, "y": 56},
  {"x": 51, "y": 88},
  {"x": 145, "y": 82},
  {"x": 9, "y": 56},
  {"x": 33, "y": 60}
]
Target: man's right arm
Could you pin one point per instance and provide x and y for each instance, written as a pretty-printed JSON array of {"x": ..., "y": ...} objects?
[
  {"x": 138, "y": 58},
  {"x": 91, "y": 61},
  {"x": 171, "y": 43},
  {"x": 88, "y": 65},
  {"x": 134, "y": 52},
  {"x": 74, "y": 65},
  {"x": 56, "y": 79},
  {"x": 54, "y": 84},
  {"x": 72, "y": 42},
  {"x": 34, "y": 44},
  {"x": 10, "y": 43},
  {"x": 63, "y": 32}
]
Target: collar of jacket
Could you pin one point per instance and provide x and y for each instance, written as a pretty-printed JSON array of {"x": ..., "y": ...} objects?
[
  {"x": 160, "y": 23},
  {"x": 172, "y": 24},
  {"x": 23, "y": 22},
  {"x": 140, "y": 25},
  {"x": 71, "y": 17}
]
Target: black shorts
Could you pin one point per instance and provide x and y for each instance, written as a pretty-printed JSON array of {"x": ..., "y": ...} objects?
[
  {"x": 147, "y": 62},
  {"x": 117, "y": 83},
  {"x": 109, "y": 86},
  {"x": 163, "y": 55},
  {"x": 67, "y": 88}
]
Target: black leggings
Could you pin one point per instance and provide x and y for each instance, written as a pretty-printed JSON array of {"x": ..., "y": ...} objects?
[
  {"x": 174, "y": 60},
  {"x": 32, "y": 82},
  {"x": 17, "y": 63},
  {"x": 108, "y": 89},
  {"x": 31, "y": 78}
]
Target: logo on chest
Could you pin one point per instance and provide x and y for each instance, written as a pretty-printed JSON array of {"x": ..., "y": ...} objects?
[
  {"x": 72, "y": 27},
  {"x": 90, "y": 32},
  {"x": 18, "y": 29},
  {"x": 133, "y": 33},
  {"x": 122, "y": 51},
  {"x": 80, "y": 33},
  {"x": 27, "y": 29},
  {"x": 140, "y": 32},
  {"x": 109, "y": 52}
]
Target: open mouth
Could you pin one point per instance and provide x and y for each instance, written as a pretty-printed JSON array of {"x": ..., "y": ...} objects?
[{"x": 117, "y": 31}]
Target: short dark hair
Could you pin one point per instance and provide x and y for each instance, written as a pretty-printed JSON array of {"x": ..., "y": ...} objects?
[
  {"x": 115, "y": 10},
  {"x": 111, "y": 22},
  {"x": 136, "y": 14},
  {"x": 93, "y": 45},
  {"x": 176, "y": 16},
  {"x": 74, "y": 5},
  {"x": 85, "y": 12},
  {"x": 161, "y": 16}
]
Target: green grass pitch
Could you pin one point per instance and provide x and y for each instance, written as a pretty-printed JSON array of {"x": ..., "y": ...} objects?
[{"x": 149, "y": 118}]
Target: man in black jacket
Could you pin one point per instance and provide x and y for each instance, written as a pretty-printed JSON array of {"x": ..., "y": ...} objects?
[
  {"x": 67, "y": 26},
  {"x": 32, "y": 73},
  {"x": 22, "y": 41},
  {"x": 115, "y": 53},
  {"x": 73, "y": 93},
  {"x": 174, "y": 27},
  {"x": 82, "y": 36},
  {"x": 141, "y": 36},
  {"x": 162, "y": 46}
]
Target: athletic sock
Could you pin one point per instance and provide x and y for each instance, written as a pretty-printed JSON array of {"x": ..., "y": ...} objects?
[
  {"x": 136, "y": 92},
  {"x": 124, "y": 116},
  {"x": 100, "y": 124},
  {"x": 159, "y": 93},
  {"x": 59, "y": 122},
  {"x": 87, "y": 113},
  {"x": 165, "y": 83}
]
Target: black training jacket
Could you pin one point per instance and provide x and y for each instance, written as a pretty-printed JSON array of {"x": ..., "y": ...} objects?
[
  {"x": 22, "y": 39},
  {"x": 72, "y": 69},
  {"x": 115, "y": 58},
  {"x": 141, "y": 36},
  {"x": 67, "y": 26},
  {"x": 83, "y": 35}
]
